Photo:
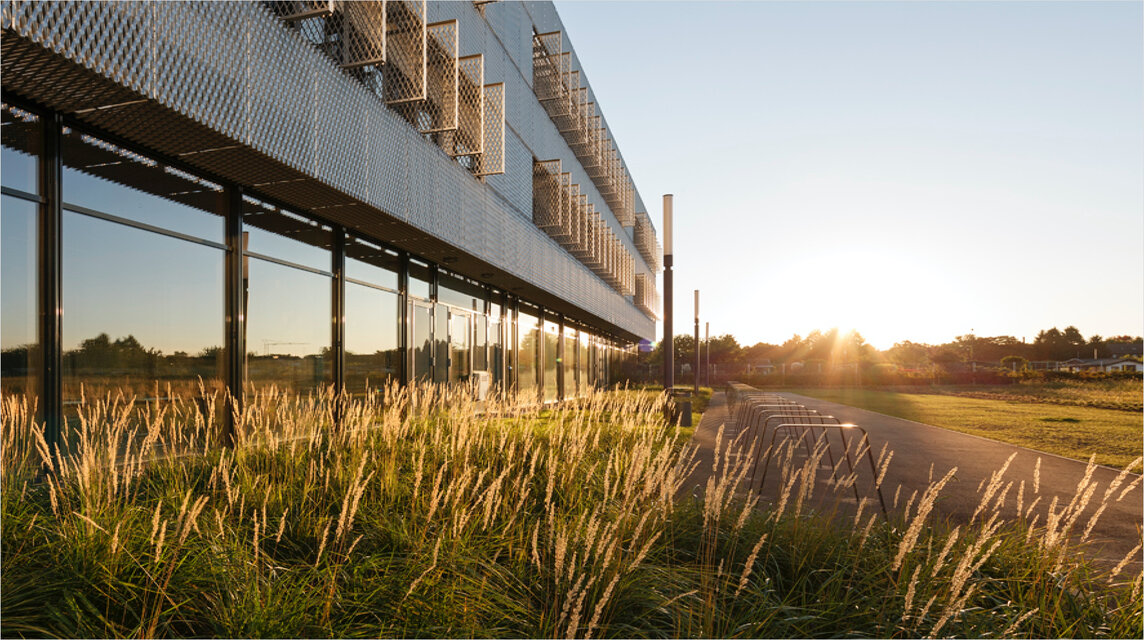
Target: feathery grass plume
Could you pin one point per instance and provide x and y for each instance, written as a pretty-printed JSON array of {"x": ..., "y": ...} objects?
[
  {"x": 1037, "y": 476},
  {"x": 910, "y": 593},
  {"x": 749, "y": 565},
  {"x": 1128, "y": 557},
  {"x": 925, "y": 505}
]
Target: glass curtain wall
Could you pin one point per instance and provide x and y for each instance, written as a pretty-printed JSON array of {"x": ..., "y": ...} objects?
[
  {"x": 372, "y": 320},
  {"x": 527, "y": 345},
  {"x": 551, "y": 361},
  {"x": 496, "y": 343},
  {"x": 582, "y": 363},
  {"x": 288, "y": 284},
  {"x": 568, "y": 356},
  {"x": 19, "y": 256},
  {"x": 142, "y": 281},
  {"x": 420, "y": 323}
]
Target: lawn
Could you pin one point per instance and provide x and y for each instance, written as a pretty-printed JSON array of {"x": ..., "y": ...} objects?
[
  {"x": 1126, "y": 394},
  {"x": 427, "y": 514},
  {"x": 1115, "y": 436}
]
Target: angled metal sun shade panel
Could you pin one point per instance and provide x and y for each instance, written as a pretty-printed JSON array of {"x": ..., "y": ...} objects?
[
  {"x": 469, "y": 139},
  {"x": 291, "y": 10},
  {"x": 547, "y": 193},
  {"x": 363, "y": 33},
  {"x": 439, "y": 111},
  {"x": 492, "y": 160},
  {"x": 406, "y": 54}
]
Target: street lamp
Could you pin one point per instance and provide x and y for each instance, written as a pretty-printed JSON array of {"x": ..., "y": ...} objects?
[
  {"x": 697, "y": 342},
  {"x": 668, "y": 342}
]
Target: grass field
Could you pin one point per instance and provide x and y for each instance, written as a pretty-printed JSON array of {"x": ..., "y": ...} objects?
[
  {"x": 1115, "y": 436},
  {"x": 421, "y": 513},
  {"x": 1126, "y": 394}
]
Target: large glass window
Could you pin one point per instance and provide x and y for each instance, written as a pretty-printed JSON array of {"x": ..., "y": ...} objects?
[
  {"x": 582, "y": 363},
  {"x": 18, "y": 297},
  {"x": 568, "y": 358},
  {"x": 441, "y": 343},
  {"x": 480, "y": 342},
  {"x": 460, "y": 345},
  {"x": 459, "y": 292},
  {"x": 142, "y": 276},
  {"x": 373, "y": 354},
  {"x": 496, "y": 343},
  {"x": 421, "y": 341},
  {"x": 551, "y": 361},
  {"x": 528, "y": 334},
  {"x": 372, "y": 329},
  {"x": 419, "y": 279},
  {"x": 288, "y": 299},
  {"x": 22, "y": 145},
  {"x": 143, "y": 312},
  {"x": 19, "y": 224},
  {"x": 95, "y": 172}
]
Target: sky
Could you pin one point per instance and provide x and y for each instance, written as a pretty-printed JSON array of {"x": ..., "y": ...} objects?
[{"x": 913, "y": 170}]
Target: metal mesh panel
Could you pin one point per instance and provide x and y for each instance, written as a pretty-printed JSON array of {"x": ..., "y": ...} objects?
[
  {"x": 233, "y": 91},
  {"x": 492, "y": 160},
  {"x": 439, "y": 111},
  {"x": 406, "y": 51},
  {"x": 291, "y": 10},
  {"x": 469, "y": 138},
  {"x": 646, "y": 297},
  {"x": 546, "y": 194},
  {"x": 363, "y": 33},
  {"x": 645, "y": 241}
]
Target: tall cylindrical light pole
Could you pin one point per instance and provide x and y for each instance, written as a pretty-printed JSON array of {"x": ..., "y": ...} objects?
[
  {"x": 697, "y": 342},
  {"x": 668, "y": 341},
  {"x": 707, "y": 358}
]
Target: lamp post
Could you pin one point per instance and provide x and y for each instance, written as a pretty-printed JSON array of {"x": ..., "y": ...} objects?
[
  {"x": 707, "y": 360},
  {"x": 697, "y": 342},
  {"x": 668, "y": 342}
]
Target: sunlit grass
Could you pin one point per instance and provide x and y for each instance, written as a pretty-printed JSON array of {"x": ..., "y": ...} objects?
[
  {"x": 1126, "y": 394},
  {"x": 420, "y": 514},
  {"x": 1114, "y": 437}
]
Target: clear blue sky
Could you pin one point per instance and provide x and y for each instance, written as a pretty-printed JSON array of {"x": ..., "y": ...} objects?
[{"x": 912, "y": 170}]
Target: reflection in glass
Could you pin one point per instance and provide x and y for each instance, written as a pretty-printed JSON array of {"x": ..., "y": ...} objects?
[
  {"x": 421, "y": 342},
  {"x": 441, "y": 344},
  {"x": 527, "y": 345},
  {"x": 21, "y": 134},
  {"x": 568, "y": 355},
  {"x": 284, "y": 235},
  {"x": 418, "y": 280},
  {"x": 582, "y": 363},
  {"x": 143, "y": 312},
  {"x": 373, "y": 356},
  {"x": 287, "y": 327},
  {"x": 496, "y": 344},
  {"x": 96, "y": 172},
  {"x": 18, "y": 295},
  {"x": 480, "y": 342},
  {"x": 370, "y": 263},
  {"x": 551, "y": 361},
  {"x": 459, "y": 345},
  {"x": 459, "y": 292}
]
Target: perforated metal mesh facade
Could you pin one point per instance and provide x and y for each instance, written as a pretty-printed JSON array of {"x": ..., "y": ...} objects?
[{"x": 236, "y": 90}]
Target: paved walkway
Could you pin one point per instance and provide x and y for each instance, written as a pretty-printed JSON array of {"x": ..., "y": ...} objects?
[{"x": 922, "y": 452}]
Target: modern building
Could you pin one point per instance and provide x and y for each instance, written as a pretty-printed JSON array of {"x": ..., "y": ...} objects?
[{"x": 310, "y": 193}]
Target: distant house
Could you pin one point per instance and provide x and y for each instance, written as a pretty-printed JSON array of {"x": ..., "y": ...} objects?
[
  {"x": 1101, "y": 364},
  {"x": 763, "y": 367}
]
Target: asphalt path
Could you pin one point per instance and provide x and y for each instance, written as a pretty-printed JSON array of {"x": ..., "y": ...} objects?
[{"x": 923, "y": 453}]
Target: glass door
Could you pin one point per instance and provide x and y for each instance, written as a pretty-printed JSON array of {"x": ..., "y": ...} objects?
[{"x": 460, "y": 345}]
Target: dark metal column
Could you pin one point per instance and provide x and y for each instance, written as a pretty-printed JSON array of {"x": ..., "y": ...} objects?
[
  {"x": 236, "y": 285},
  {"x": 51, "y": 279},
  {"x": 338, "y": 320}
]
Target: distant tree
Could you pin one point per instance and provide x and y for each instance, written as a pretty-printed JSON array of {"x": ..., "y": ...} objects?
[{"x": 908, "y": 354}]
